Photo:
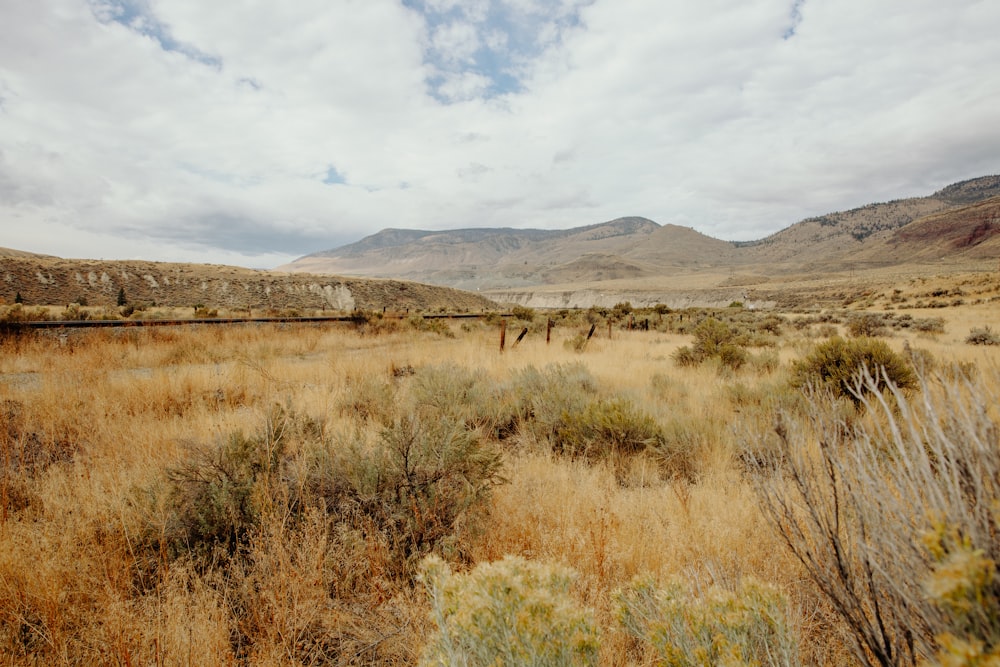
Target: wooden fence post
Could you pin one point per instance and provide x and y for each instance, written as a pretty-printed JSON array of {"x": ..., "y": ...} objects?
[
  {"x": 503, "y": 334},
  {"x": 548, "y": 332},
  {"x": 521, "y": 335}
]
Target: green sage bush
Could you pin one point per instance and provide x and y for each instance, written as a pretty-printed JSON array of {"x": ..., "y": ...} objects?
[
  {"x": 512, "y": 612},
  {"x": 838, "y": 365},
  {"x": 681, "y": 629}
]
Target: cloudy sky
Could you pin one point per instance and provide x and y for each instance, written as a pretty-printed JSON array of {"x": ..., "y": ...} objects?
[{"x": 252, "y": 132}]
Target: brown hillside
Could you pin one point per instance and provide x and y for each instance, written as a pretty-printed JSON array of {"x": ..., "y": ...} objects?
[
  {"x": 504, "y": 258},
  {"x": 6, "y": 253},
  {"x": 54, "y": 281},
  {"x": 827, "y": 241},
  {"x": 675, "y": 246},
  {"x": 965, "y": 234},
  {"x": 971, "y": 231},
  {"x": 596, "y": 267},
  {"x": 500, "y": 260}
]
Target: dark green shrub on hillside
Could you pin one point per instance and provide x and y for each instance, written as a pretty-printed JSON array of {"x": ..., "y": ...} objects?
[
  {"x": 733, "y": 356},
  {"x": 369, "y": 398},
  {"x": 415, "y": 485},
  {"x": 685, "y": 356},
  {"x": 402, "y": 493},
  {"x": 74, "y": 313},
  {"x": 838, "y": 365},
  {"x": 983, "y": 336},
  {"x": 434, "y": 325},
  {"x": 606, "y": 428},
  {"x": 714, "y": 339},
  {"x": 213, "y": 497},
  {"x": 523, "y": 313},
  {"x": 868, "y": 325},
  {"x": 621, "y": 310},
  {"x": 710, "y": 336},
  {"x": 543, "y": 396},
  {"x": 448, "y": 389},
  {"x": 931, "y": 325},
  {"x": 204, "y": 313},
  {"x": 771, "y": 324}
]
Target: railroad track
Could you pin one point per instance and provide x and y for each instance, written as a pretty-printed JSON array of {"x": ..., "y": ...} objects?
[{"x": 89, "y": 324}]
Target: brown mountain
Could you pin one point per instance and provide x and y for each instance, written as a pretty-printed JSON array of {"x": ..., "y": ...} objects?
[
  {"x": 971, "y": 232},
  {"x": 49, "y": 280},
  {"x": 635, "y": 248},
  {"x": 501, "y": 258},
  {"x": 632, "y": 259},
  {"x": 827, "y": 241}
]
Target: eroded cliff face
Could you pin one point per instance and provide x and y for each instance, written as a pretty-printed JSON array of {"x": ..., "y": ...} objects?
[
  {"x": 55, "y": 281},
  {"x": 585, "y": 298}
]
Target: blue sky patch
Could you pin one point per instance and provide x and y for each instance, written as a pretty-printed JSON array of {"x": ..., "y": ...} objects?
[
  {"x": 138, "y": 16},
  {"x": 795, "y": 16},
  {"x": 334, "y": 177},
  {"x": 491, "y": 40}
]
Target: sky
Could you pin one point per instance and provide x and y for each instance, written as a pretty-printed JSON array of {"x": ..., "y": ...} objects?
[{"x": 252, "y": 132}]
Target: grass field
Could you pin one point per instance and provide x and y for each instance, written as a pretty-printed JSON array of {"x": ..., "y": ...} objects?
[{"x": 269, "y": 494}]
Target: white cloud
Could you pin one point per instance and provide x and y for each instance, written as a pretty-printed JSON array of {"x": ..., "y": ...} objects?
[
  {"x": 463, "y": 86},
  {"x": 737, "y": 118},
  {"x": 456, "y": 41},
  {"x": 496, "y": 40}
]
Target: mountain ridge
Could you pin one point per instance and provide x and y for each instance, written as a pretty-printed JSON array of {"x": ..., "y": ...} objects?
[
  {"x": 627, "y": 259},
  {"x": 633, "y": 246}
]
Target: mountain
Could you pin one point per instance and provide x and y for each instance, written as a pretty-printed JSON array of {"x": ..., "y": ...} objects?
[
  {"x": 971, "y": 232},
  {"x": 492, "y": 258},
  {"x": 826, "y": 241},
  {"x": 628, "y": 259},
  {"x": 635, "y": 248}
]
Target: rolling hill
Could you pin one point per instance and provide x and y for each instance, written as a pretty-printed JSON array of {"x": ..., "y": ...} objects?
[
  {"x": 635, "y": 248},
  {"x": 827, "y": 241},
  {"x": 49, "y": 280},
  {"x": 502, "y": 258}
]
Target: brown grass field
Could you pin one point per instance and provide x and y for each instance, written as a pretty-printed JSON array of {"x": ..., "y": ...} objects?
[{"x": 266, "y": 494}]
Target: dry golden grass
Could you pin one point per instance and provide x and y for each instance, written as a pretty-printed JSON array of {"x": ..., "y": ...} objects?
[
  {"x": 92, "y": 421},
  {"x": 792, "y": 286}
]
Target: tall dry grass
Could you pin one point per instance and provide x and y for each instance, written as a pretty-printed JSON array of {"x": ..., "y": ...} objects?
[{"x": 96, "y": 425}]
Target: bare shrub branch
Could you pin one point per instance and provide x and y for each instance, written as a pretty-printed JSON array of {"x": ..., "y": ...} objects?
[{"x": 864, "y": 506}]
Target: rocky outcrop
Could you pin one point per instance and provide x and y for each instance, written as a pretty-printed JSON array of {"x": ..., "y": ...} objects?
[{"x": 53, "y": 281}]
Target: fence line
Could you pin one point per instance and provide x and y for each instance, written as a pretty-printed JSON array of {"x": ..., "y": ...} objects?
[{"x": 86, "y": 324}]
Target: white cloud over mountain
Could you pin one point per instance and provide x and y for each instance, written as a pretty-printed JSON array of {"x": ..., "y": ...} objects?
[{"x": 252, "y": 132}]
